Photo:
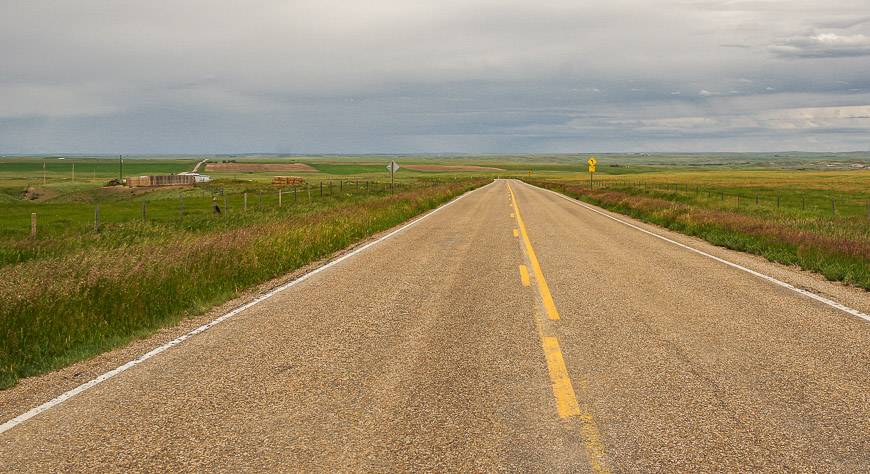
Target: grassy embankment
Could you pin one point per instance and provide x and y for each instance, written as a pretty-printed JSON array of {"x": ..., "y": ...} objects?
[
  {"x": 70, "y": 294},
  {"x": 792, "y": 223}
]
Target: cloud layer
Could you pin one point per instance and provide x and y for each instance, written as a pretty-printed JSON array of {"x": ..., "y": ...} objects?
[{"x": 433, "y": 76}]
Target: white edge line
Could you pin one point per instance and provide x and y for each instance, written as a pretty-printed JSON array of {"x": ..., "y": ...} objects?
[
  {"x": 157, "y": 350},
  {"x": 809, "y": 294}
]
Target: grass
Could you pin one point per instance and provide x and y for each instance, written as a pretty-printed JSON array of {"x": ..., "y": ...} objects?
[
  {"x": 834, "y": 245},
  {"x": 90, "y": 292}
]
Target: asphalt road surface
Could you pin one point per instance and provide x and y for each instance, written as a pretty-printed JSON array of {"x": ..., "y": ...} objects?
[{"x": 512, "y": 330}]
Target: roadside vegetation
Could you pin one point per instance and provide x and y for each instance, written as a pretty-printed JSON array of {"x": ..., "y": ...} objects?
[
  {"x": 817, "y": 221},
  {"x": 108, "y": 264},
  {"x": 73, "y": 291}
]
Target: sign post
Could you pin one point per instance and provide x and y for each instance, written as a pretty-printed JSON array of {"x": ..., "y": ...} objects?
[
  {"x": 591, "y": 162},
  {"x": 392, "y": 167}
]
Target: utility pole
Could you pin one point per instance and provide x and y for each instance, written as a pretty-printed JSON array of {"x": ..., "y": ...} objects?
[
  {"x": 121, "y": 168},
  {"x": 43, "y": 171}
]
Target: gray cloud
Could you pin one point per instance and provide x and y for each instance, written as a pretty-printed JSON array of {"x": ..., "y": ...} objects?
[
  {"x": 824, "y": 45},
  {"x": 394, "y": 76}
]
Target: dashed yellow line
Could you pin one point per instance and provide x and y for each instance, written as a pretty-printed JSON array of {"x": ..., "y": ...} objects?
[
  {"x": 524, "y": 275},
  {"x": 567, "y": 405},
  {"x": 543, "y": 289}
]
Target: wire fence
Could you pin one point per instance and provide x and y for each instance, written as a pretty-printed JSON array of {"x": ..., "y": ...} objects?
[
  {"x": 817, "y": 202},
  {"x": 190, "y": 205}
]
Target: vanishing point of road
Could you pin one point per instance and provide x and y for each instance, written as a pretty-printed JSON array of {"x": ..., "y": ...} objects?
[{"x": 513, "y": 329}]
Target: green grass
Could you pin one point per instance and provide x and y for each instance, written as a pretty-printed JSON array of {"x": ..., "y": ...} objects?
[
  {"x": 81, "y": 292},
  {"x": 777, "y": 192}
]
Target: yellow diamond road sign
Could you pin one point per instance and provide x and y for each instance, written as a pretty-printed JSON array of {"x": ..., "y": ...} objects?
[{"x": 592, "y": 162}]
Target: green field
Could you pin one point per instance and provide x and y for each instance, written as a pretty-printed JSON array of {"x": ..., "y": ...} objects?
[{"x": 111, "y": 263}]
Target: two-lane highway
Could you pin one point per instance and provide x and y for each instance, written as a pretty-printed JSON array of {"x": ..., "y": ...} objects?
[{"x": 512, "y": 330}]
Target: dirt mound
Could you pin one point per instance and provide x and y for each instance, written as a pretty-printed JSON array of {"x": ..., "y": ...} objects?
[
  {"x": 449, "y": 168},
  {"x": 33, "y": 193},
  {"x": 259, "y": 167}
]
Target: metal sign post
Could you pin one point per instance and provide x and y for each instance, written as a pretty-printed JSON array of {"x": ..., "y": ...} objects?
[
  {"x": 392, "y": 167},
  {"x": 591, "y": 162}
]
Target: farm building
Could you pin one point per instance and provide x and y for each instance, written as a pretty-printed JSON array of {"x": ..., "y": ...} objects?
[
  {"x": 168, "y": 180},
  {"x": 199, "y": 178}
]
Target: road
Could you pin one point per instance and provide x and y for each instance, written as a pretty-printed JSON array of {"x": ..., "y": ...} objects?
[
  {"x": 198, "y": 165},
  {"x": 512, "y": 330}
]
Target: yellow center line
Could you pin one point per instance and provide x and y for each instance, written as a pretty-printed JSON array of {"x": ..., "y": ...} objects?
[
  {"x": 543, "y": 289},
  {"x": 524, "y": 275},
  {"x": 566, "y": 401},
  {"x": 567, "y": 405}
]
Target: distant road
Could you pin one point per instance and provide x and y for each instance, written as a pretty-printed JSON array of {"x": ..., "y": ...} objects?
[
  {"x": 196, "y": 168},
  {"x": 513, "y": 330}
]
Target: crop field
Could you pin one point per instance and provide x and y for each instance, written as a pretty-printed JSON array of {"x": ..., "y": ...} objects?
[{"x": 111, "y": 263}]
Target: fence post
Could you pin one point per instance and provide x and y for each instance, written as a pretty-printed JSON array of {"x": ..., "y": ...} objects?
[
  {"x": 321, "y": 189},
  {"x": 180, "y": 206},
  {"x": 833, "y": 207},
  {"x": 341, "y": 186},
  {"x": 144, "y": 211},
  {"x": 280, "y": 201},
  {"x": 246, "y": 202},
  {"x": 226, "y": 203},
  {"x": 756, "y": 199},
  {"x": 803, "y": 203},
  {"x": 33, "y": 224},
  {"x": 777, "y": 201},
  {"x": 308, "y": 188},
  {"x": 97, "y": 218}
]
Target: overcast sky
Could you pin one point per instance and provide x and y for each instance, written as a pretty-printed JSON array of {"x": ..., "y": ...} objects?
[{"x": 488, "y": 76}]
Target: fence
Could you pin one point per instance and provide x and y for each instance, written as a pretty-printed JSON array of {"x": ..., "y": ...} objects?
[
  {"x": 809, "y": 201},
  {"x": 187, "y": 205}
]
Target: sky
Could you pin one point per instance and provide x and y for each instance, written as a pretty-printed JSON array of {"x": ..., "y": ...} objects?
[{"x": 447, "y": 76}]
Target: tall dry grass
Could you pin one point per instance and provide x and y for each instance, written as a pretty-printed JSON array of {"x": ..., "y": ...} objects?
[
  {"x": 836, "y": 247},
  {"x": 59, "y": 309}
]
